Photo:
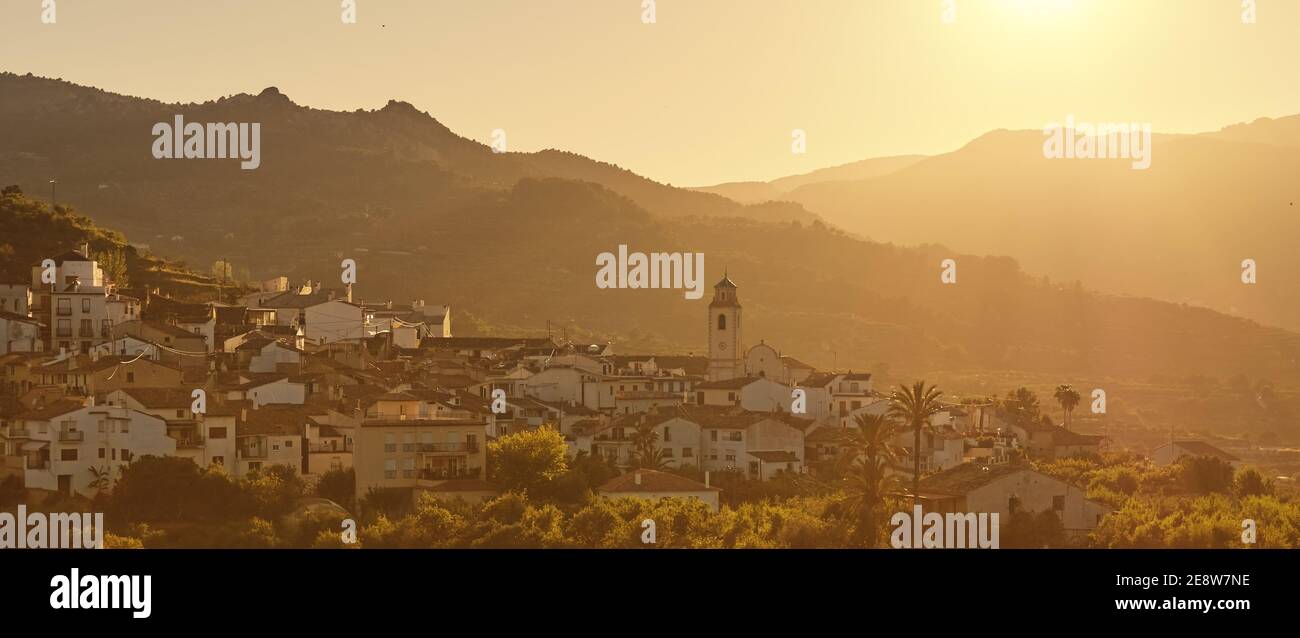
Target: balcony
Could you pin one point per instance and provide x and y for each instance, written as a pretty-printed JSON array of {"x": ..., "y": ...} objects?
[
  {"x": 443, "y": 474},
  {"x": 447, "y": 448},
  {"x": 190, "y": 442},
  {"x": 19, "y": 433},
  {"x": 321, "y": 448},
  {"x": 72, "y": 437}
]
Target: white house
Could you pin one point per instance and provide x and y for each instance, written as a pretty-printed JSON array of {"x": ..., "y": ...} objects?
[
  {"x": 653, "y": 485},
  {"x": 334, "y": 320},
  {"x": 19, "y": 333},
  {"x": 1001, "y": 489},
  {"x": 59, "y": 444},
  {"x": 1169, "y": 453}
]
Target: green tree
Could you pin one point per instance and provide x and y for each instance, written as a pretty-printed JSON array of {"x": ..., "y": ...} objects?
[
  {"x": 527, "y": 460},
  {"x": 1068, "y": 397},
  {"x": 274, "y": 490},
  {"x": 113, "y": 262},
  {"x": 1022, "y": 405},
  {"x": 1205, "y": 474},
  {"x": 339, "y": 486},
  {"x": 913, "y": 407},
  {"x": 1249, "y": 482}
]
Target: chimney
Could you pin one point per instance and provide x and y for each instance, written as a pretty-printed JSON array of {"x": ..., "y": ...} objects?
[
  {"x": 706, "y": 478},
  {"x": 636, "y": 478},
  {"x": 84, "y": 249},
  {"x": 349, "y": 293}
]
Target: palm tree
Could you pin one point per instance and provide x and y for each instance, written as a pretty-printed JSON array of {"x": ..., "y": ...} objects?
[
  {"x": 651, "y": 460},
  {"x": 645, "y": 440},
  {"x": 1068, "y": 397},
  {"x": 869, "y": 484},
  {"x": 873, "y": 452},
  {"x": 101, "y": 480},
  {"x": 913, "y": 407},
  {"x": 874, "y": 437}
]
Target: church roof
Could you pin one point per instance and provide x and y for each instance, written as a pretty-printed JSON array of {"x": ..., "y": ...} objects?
[{"x": 725, "y": 283}]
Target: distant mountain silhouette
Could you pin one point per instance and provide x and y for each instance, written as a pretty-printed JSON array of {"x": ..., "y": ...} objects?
[
  {"x": 778, "y": 189},
  {"x": 509, "y": 240},
  {"x": 1177, "y": 231}
]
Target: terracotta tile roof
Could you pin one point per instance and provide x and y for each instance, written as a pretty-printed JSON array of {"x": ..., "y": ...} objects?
[
  {"x": 1201, "y": 448},
  {"x": 968, "y": 477},
  {"x": 278, "y": 420},
  {"x": 654, "y": 481},
  {"x": 156, "y": 398},
  {"x": 56, "y": 409}
]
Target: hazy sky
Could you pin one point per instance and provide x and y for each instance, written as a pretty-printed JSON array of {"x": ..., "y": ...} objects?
[{"x": 713, "y": 89}]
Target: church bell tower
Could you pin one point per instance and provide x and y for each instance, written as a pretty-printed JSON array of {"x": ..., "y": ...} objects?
[{"x": 724, "y": 332}]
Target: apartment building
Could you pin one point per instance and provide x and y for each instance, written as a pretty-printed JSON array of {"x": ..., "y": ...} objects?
[{"x": 412, "y": 452}]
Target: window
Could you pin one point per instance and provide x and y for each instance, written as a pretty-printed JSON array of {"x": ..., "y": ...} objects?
[
  {"x": 731, "y": 456},
  {"x": 687, "y": 453},
  {"x": 722, "y": 322},
  {"x": 65, "y": 328},
  {"x": 104, "y": 328},
  {"x": 218, "y": 460},
  {"x": 1058, "y": 503},
  {"x": 254, "y": 465},
  {"x": 85, "y": 305},
  {"x": 103, "y": 426},
  {"x": 87, "y": 328},
  {"x": 65, "y": 307},
  {"x": 390, "y": 468},
  {"x": 68, "y": 454},
  {"x": 408, "y": 468},
  {"x": 408, "y": 442},
  {"x": 125, "y": 428},
  {"x": 731, "y": 396},
  {"x": 713, "y": 435},
  {"x": 699, "y": 398},
  {"x": 101, "y": 453},
  {"x": 180, "y": 414},
  {"x": 668, "y": 433},
  {"x": 216, "y": 433},
  {"x": 735, "y": 436},
  {"x": 130, "y": 377},
  {"x": 390, "y": 442},
  {"x": 126, "y": 455},
  {"x": 288, "y": 444},
  {"x": 113, "y": 451},
  {"x": 668, "y": 452}
]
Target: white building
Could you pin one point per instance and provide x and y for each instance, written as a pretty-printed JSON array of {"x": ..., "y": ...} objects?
[
  {"x": 19, "y": 333},
  {"x": 66, "y": 447},
  {"x": 334, "y": 320},
  {"x": 1169, "y": 453},
  {"x": 652, "y": 485}
]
